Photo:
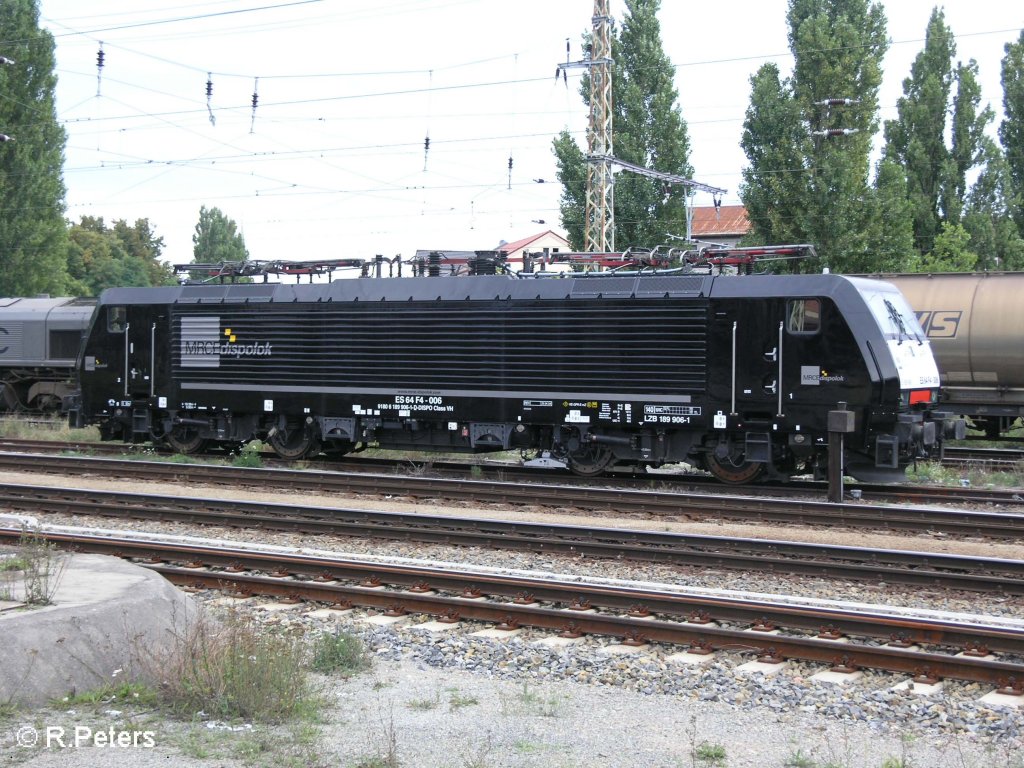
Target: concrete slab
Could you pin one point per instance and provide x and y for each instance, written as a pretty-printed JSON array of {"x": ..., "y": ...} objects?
[
  {"x": 329, "y": 613},
  {"x": 837, "y": 678},
  {"x": 995, "y": 698},
  {"x": 385, "y": 621},
  {"x": 560, "y": 642},
  {"x": 919, "y": 689},
  {"x": 228, "y": 601},
  {"x": 497, "y": 634},
  {"x": 685, "y": 657},
  {"x": 109, "y": 618},
  {"x": 438, "y": 626},
  {"x": 761, "y": 668},
  {"x": 279, "y": 607},
  {"x": 618, "y": 649}
]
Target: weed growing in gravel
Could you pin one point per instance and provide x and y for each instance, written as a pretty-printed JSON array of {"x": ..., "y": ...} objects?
[
  {"x": 709, "y": 754},
  {"x": 423, "y": 705},
  {"x": 44, "y": 428},
  {"x": 382, "y": 752},
  {"x": 339, "y": 653},
  {"x": 528, "y": 702},
  {"x": 236, "y": 670},
  {"x": 458, "y": 700},
  {"x": 936, "y": 474},
  {"x": 250, "y": 455},
  {"x": 799, "y": 760},
  {"x": 136, "y": 694}
]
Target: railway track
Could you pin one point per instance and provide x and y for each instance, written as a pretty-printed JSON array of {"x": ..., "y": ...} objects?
[
  {"x": 989, "y": 458},
  {"x": 686, "y": 483},
  {"x": 923, "y": 569},
  {"x": 1003, "y": 524},
  {"x": 927, "y": 648}
]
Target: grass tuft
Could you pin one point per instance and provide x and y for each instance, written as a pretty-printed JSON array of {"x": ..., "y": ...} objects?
[
  {"x": 236, "y": 670},
  {"x": 339, "y": 653}
]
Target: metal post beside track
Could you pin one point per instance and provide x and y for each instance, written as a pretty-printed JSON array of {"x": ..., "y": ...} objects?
[{"x": 840, "y": 422}]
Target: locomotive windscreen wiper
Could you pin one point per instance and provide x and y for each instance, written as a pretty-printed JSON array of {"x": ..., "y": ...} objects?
[{"x": 898, "y": 319}]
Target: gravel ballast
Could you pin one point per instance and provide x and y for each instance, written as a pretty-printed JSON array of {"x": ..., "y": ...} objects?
[{"x": 450, "y": 699}]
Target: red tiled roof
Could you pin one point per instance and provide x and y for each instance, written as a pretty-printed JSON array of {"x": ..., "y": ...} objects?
[
  {"x": 727, "y": 220},
  {"x": 520, "y": 244}
]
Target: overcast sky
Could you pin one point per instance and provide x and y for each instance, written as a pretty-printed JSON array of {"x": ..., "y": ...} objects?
[{"x": 331, "y": 162}]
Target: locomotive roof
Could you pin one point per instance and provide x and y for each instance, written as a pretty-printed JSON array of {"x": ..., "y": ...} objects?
[
  {"x": 39, "y": 307},
  {"x": 491, "y": 287}
]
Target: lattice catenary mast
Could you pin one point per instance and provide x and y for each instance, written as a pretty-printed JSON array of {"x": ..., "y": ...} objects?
[{"x": 599, "y": 221}]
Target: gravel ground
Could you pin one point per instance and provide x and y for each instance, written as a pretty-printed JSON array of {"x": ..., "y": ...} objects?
[
  {"x": 450, "y": 699},
  {"x": 427, "y": 717}
]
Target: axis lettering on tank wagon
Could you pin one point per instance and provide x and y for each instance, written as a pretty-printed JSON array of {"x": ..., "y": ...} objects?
[{"x": 940, "y": 324}]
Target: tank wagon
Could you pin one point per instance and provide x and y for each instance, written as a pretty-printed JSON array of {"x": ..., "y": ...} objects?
[
  {"x": 39, "y": 343},
  {"x": 736, "y": 375},
  {"x": 975, "y": 323}
]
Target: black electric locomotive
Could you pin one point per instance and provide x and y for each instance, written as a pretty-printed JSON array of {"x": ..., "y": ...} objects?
[{"x": 733, "y": 374}]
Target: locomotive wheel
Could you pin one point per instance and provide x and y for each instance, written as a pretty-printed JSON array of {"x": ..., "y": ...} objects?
[
  {"x": 185, "y": 439},
  {"x": 591, "y": 460},
  {"x": 294, "y": 444},
  {"x": 734, "y": 468}
]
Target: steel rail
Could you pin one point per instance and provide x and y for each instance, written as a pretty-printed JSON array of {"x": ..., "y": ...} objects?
[
  {"x": 994, "y": 524},
  {"x": 417, "y": 586},
  {"x": 678, "y": 483},
  {"x": 688, "y": 550}
]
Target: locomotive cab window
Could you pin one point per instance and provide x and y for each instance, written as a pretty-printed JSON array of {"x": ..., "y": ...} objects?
[
  {"x": 803, "y": 316},
  {"x": 117, "y": 319}
]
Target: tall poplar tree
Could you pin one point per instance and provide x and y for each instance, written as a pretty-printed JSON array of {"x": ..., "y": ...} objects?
[
  {"x": 988, "y": 219},
  {"x": 33, "y": 234},
  {"x": 1011, "y": 129},
  {"x": 648, "y": 130},
  {"x": 916, "y": 139},
  {"x": 808, "y": 137}
]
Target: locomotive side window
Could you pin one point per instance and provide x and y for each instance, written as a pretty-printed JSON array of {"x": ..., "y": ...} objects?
[
  {"x": 117, "y": 318},
  {"x": 803, "y": 316}
]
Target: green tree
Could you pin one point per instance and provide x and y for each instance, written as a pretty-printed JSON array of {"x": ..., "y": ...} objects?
[
  {"x": 915, "y": 139},
  {"x": 33, "y": 234},
  {"x": 950, "y": 253},
  {"x": 775, "y": 141},
  {"x": 217, "y": 239},
  {"x": 937, "y": 174},
  {"x": 143, "y": 245},
  {"x": 988, "y": 215},
  {"x": 649, "y": 131},
  {"x": 1011, "y": 129},
  {"x": 808, "y": 179},
  {"x": 890, "y": 227},
  {"x": 102, "y": 257}
]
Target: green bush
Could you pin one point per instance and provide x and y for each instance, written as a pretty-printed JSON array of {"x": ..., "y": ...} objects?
[
  {"x": 250, "y": 455},
  {"x": 339, "y": 653},
  {"x": 236, "y": 670}
]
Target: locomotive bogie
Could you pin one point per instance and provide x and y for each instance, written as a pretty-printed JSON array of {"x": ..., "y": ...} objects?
[{"x": 736, "y": 375}]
